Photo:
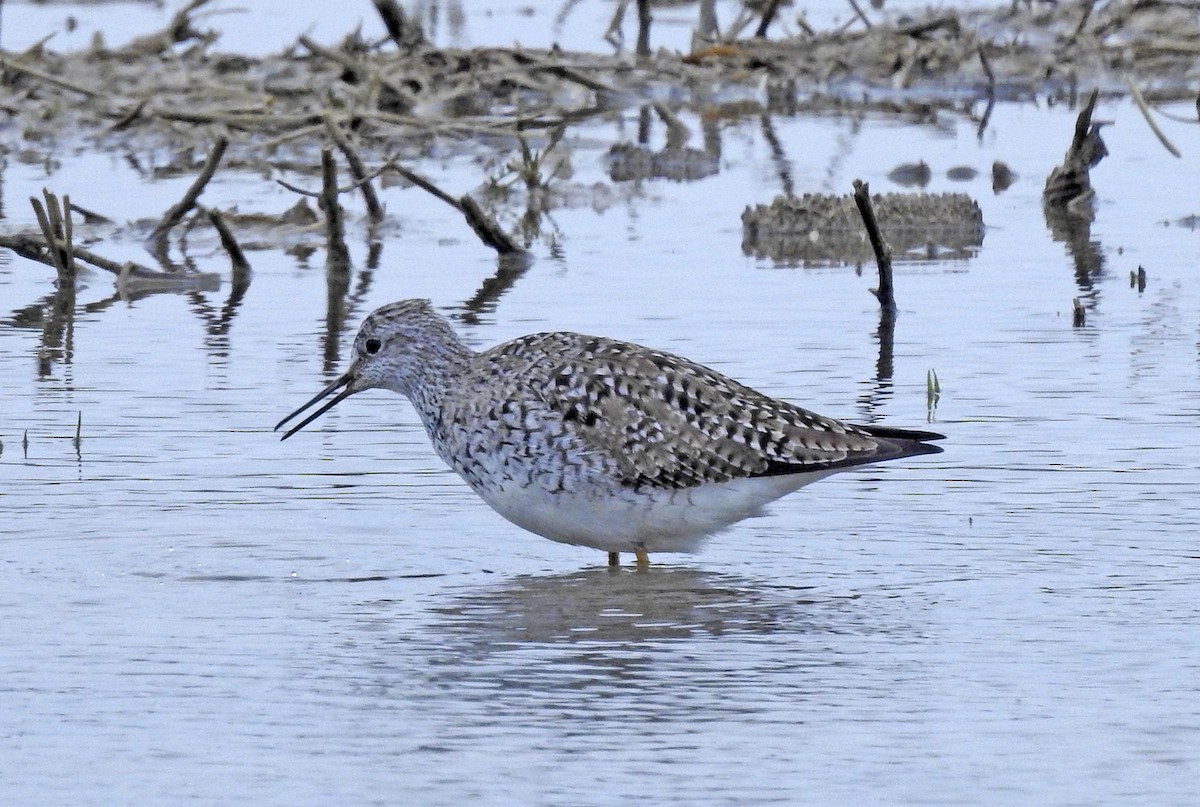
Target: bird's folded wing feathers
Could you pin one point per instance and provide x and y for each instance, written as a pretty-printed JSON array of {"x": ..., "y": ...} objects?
[{"x": 672, "y": 423}]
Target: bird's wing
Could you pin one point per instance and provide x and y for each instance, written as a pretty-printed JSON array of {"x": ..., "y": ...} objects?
[{"x": 672, "y": 423}]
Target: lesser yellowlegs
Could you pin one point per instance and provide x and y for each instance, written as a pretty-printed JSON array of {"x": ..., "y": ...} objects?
[{"x": 601, "y": 443}]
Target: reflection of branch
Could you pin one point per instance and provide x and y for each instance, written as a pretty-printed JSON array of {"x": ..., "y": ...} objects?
[
  {"x": 130, "y": 276},
  {"x": 508, "y": 269},
  {"x": 337, "y": 255},
  {"x": 778, "y": 157}
]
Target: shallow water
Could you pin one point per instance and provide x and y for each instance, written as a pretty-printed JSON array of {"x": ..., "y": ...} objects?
[{"x": 194, "y": 611}]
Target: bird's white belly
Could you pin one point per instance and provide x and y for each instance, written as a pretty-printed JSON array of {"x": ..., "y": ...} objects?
[{"x": 627, "y": 520}]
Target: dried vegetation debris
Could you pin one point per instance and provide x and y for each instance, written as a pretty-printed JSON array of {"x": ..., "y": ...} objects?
[
  {"x": 172, "y": 94},
  {"x": 827, "y": 229},
  {"x": 175, "y": 77},
  {"x": 1009, "y": 49}
]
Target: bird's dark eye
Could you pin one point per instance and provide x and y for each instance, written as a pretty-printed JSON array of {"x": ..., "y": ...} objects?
[{"x": 372, "y": 346}]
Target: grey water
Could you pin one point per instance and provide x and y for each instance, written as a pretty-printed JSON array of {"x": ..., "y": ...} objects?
[{"x": 194, "y": 612}]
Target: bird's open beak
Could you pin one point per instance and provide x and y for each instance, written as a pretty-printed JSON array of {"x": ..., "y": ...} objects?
[{"x": 346, "y": 380}]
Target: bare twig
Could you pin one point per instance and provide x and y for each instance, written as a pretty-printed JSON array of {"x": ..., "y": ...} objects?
[
  {"x": 1088, "y": 5},
  {"x": 356, "y": 72},
  {"x": 68, "y": 232},
  {"x": 987, "y": 69},
  {"x": 425, "y": 185},
  {"x": 1145, "y": 110},
  {"x": 54, "y": 219},
  {"x": 768, "y": 15},
  {"x": 55, "y": 254},
  {"x": 33, "y": 72},
  {"x": 859, "y": 13},
  {"x": 644, "y": 20},
  {"x": 883, "y": 253},
  {"x": 484, "y": 226},
  {"x": 158, "y": 238},
  {"x": 357, "y": 169},
  {"x": 535, "y": 62},
  {"x": 678, "y": 133},
  {"x": 614, "y": 35},
  {"x": 337, "y": 256}
]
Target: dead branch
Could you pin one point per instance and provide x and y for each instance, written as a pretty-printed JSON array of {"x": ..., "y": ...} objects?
[
  {"x": 858, "y": 12},
  {"x": 1145, "y": 110},
  {"x": 768, "y": 16},
  {"x": 644, "y": 20},
  {"x": 237, "y": 258},
  {"x": 883, "y": 253},
  {"x": 127, "y": 275},
  {"x": 159, "y": 237},
  {"x": 356, "y": 73},
  {"x": 52, "y": 237},
  {"x": 33, "y": 72},
  {"x": 357, "y": 169},
  {"x": 337, "y": 255},
  {"x": 483, "y": 225}
]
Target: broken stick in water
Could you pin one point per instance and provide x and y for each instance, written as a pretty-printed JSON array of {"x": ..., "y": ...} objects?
[
  {"x": 357, "y": 169},
  {"x": 883, "y": 253},
  {"x": 484, "y": 225}
]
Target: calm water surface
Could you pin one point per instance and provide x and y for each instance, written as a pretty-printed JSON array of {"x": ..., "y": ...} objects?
[{"x": 193, "y": 612}]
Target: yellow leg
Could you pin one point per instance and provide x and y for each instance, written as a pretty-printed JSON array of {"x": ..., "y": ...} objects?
[
  {"x": 614, "y": 558},
  {"x": 643, "y": 560}
]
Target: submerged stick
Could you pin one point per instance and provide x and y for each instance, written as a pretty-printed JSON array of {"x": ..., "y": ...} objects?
[
  {"x": 177, "y": 211},
  {"x": 33, "y": 72},
  {"x": 125, "y": 274},
  {"x": 883, "y": 253}
]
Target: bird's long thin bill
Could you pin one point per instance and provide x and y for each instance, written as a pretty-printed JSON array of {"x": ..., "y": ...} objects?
[{"x": 344, "y": 381}]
